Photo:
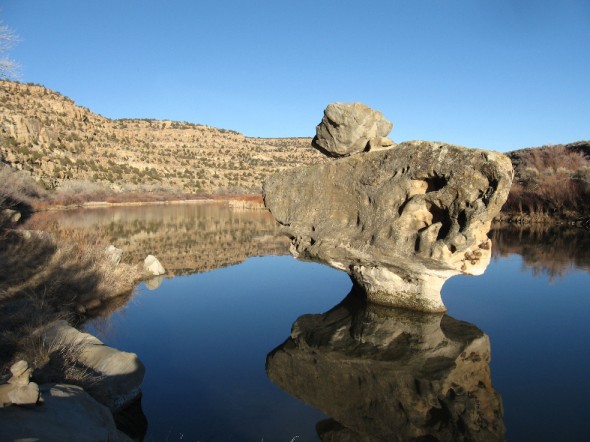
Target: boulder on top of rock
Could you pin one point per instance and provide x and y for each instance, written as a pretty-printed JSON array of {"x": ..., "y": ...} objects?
[
  {"x": 349, "y": 128},
  {"x": 400, "y": 222}
]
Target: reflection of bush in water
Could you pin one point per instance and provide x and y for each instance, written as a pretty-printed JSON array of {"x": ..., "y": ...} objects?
[
  {"x": 545, "y": 249},
  {"x": 185, "y": 238}
]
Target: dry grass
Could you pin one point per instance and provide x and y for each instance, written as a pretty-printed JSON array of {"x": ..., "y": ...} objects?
[
  {"x": 57, "y": 360},
  {"x": 56, "y": 274}
]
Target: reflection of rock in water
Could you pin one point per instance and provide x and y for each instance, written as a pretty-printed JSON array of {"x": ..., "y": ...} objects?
[
  {"x": 154, "y": 283},
  {"x": 384, "y": 374}
]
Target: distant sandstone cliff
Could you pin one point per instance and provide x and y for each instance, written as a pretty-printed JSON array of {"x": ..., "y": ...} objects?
[{"x": 54, "y": 139}]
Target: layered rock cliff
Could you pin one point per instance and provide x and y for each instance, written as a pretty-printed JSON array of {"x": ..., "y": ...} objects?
[{"x": 55, "y": 140}]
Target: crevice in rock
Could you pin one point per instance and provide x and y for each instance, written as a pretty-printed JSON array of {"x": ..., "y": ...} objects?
[
  {"x": 417, "y": 242},
  {"x": 493, "y": 186},
  {"x": 462, "y": 220},
  {"x": 402, "y": 206}
]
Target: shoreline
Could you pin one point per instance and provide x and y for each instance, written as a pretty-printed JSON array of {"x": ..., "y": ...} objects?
[{"x": 248, "y": 201}]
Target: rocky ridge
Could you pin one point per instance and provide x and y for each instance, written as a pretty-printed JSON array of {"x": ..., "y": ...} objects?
[{"x": 56, "y": 140}]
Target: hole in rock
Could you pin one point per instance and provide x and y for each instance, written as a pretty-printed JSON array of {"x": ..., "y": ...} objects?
[
  {"x": 435, "y": 183},
  {"x": 441, "y": 216}
]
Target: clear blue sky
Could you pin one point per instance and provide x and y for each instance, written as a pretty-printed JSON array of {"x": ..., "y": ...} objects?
[{"x": 498, "y": 74}]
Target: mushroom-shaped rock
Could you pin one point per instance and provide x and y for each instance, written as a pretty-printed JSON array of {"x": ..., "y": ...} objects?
[
  {"x": 349, "y": 128},
  {"x": 399, "y": 221},
  {"x": 153, "y": 266}
]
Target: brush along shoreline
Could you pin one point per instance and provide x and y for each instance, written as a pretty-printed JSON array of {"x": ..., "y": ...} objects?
[{"x": 53, "y": 281}]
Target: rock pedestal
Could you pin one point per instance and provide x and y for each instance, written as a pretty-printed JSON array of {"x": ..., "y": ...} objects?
[{"x": 399, "y": 221}]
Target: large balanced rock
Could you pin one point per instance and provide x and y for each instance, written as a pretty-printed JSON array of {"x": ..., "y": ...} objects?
[
  {"x": 119, "y": 374},
  {"x": 385, "y": 374},
  {"x": 349, "y": 128},
  {"x": 400, "y": 221}
]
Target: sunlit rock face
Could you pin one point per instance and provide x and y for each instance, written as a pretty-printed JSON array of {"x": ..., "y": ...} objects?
[
  {"x": 400, "y": 221},
  {"x": 386, "y": 374},
  {"x": 349, "y": 128}
]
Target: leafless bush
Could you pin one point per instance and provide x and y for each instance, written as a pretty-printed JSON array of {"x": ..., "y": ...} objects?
[
  {"x": 19, "y": 186},
  {"x": 550, "y": 181}
]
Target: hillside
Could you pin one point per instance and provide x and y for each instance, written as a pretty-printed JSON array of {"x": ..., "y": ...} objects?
[{"x": 55, "y": 140}]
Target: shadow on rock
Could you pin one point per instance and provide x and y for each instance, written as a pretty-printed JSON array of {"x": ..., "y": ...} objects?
[{"x": 390, "y": 374}]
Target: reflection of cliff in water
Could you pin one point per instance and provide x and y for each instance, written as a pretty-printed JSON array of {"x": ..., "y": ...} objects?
[
  {"x": 385, "y": 375},
  {"x": 545, "y": 249},
  {"x": 186, "y": 238}
]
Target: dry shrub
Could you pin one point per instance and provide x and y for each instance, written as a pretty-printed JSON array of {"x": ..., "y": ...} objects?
[
  {"x": 64, "y": 274},
  {"x": 19, "y": 186},
  {"x": 550, "y": 181},
  {"x": 57, "y": 360}
]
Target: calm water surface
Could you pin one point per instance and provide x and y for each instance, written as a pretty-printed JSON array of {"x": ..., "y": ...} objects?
[{"x": 219, "y": 358}]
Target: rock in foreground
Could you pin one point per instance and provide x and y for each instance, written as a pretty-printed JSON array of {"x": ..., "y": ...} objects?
[
  {"x": 120, "y": 373},
  {"x": 67, "y": 414},
  {"x": 400, "y": 221}
]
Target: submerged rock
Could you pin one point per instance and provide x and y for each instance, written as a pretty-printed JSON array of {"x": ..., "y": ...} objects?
[
  {"x": 349, "y": 128},
  {"x": 66, "y": 414},
  {"x": 400, "y": 222},
  {"x": 385, "y": 374}
]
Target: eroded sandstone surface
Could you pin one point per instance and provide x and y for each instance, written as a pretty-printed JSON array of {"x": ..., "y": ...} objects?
[
  {"x": 400, "y": 221},
  {"x": 385, "y": 374},
  {"x": 349, "y": 128}
]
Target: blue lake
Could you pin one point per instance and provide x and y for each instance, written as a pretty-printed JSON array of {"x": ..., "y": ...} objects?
[{"x": 205, "y": 337}]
